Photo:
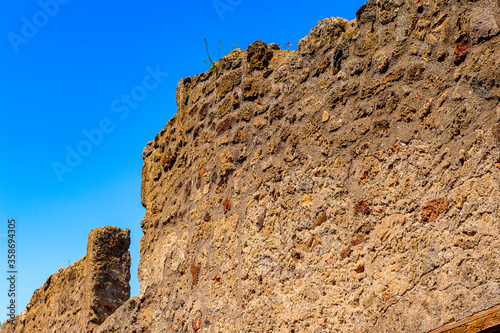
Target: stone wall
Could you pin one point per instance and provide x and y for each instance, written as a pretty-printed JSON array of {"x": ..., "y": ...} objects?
[
  {"x": 80, "y": 297},
  {"x": 348, "y": 186}
]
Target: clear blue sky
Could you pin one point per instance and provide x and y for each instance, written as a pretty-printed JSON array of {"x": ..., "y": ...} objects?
[{"x": 72, "y": 69}]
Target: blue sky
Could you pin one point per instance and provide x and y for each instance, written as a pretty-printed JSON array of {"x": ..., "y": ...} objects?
[{"x": 98, "y": 80}]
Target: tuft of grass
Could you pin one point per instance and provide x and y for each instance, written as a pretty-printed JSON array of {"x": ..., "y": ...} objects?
[
  {"x": 348, "y": 37},
  {"x": 214, "y": 64},
  {"x": 342, "y": 23}
]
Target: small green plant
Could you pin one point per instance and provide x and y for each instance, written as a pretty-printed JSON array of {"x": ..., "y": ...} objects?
[
  {"x": 213, "y": 64},
  {"x": 348, "y": 37},
  {"x": 342, "y": 23}
]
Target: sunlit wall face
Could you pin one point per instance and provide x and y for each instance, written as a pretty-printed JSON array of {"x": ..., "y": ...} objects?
[{"x": 84, "y": 86}]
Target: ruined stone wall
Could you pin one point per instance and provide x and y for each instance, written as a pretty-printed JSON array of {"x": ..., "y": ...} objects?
[
  {"x": 348, "y": 186},
  {"x": 80, "y": 297}
]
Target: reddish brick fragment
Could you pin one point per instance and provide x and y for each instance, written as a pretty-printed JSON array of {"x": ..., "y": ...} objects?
[
  {"x": 224, "y": 126},
  {"x": 195, "y": 272},
  {"x": 226, "y": 205},
  {"x": 196, "y": 324},
  {"x": 193, "y": 110},
  {"x": 169, "y": 159},
  {"x": 361, "y": 207},
  {"x": 461, "y": 50},
  {"x": 203, "y": 110},
  {"x": 431, "y": 211}
]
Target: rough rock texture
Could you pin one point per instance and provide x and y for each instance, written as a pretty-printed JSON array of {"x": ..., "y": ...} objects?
[
  {"x": 348, "y": 186},
  {"x": 80, "y": 297}
]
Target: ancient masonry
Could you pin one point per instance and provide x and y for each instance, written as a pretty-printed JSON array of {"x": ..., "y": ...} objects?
[
  {"x": 80, "y": 297},
  {"x": 351, "y": 185}
]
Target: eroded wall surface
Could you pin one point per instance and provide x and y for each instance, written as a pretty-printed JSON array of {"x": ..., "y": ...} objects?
[
  {"x": 81, "y": 296},
  {"x": 348, "y": 186}
]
